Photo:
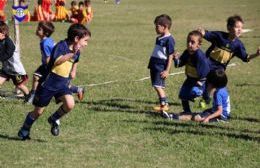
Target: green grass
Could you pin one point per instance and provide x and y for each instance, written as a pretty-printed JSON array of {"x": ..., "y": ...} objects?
[{"x": 114, "y": 126}]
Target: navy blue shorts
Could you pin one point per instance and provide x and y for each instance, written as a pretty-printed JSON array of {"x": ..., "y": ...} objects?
[
  {"x": 190, "y": 90},
  {"x": 43, "y": 95},
  {"x": 156, "y": 79}
]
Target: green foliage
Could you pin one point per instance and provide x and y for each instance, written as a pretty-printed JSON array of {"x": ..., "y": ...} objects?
[{"x": 114, "y": 125}]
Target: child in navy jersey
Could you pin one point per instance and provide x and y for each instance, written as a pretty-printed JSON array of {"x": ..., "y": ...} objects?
[
  {"x": 161, "y": 59},
  {"x": 63, "y": 60}
]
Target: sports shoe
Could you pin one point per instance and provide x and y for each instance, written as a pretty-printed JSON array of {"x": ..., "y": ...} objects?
[
  {"x": 55, "y": 131},
  {"x": 169, "y": 116},
  {"x": 24, "y": 134},
  {"x": 81, "y": 93},
  {"x": 161, "y": 108}
]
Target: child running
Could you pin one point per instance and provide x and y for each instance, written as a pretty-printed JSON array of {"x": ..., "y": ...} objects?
[
  {"x": 161, "y": 59},
  {"x": 196, "y": 70},
  {"x": 44, "y": 32},
  {"x": 63, "y": 59},
  {"x": 12, "y": 67}
]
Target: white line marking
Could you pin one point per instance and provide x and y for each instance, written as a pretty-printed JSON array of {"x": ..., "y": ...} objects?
[{"x": 247, "y": 30}]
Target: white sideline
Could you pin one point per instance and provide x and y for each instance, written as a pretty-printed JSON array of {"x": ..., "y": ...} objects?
[{"x": 142, "y": 79}]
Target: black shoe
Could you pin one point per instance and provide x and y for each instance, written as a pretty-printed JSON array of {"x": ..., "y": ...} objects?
[
  {"x": 24, "y": 134},
  {"x": 55, "y": 131}
]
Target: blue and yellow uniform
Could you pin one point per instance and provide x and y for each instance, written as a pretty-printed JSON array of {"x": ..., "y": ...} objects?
[
  {"x": 196, "y": 70},
  {"x": 57, "y": 81},
  {"x": 222, "y": 49},
  {"x": 164, "y": 47}
]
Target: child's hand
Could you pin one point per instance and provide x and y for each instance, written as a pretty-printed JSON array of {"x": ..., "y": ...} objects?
[
  {"x": 206, "y": 120},
  {"x": 258, "y": 51},
  {"x": 176, "y": 55},
  {"x": 164, "y": 74},
  {"x": 201, "y": 30}
]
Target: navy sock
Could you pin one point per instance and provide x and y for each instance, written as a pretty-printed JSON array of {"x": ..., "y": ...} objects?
[
  {"x": 74, "y": 89},
  {"x": 58, "y": 114},
  {"x": 28, "y": 122},
  {"x": 185, "y": 105}
]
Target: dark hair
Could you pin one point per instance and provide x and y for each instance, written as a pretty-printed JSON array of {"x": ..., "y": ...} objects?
[
  {"x": 81, "y": 3},
  {"x": 195, "y": 33},
  {"x": 77, "y": 30},
  {"x": 231, "y": 21},
  {"x": 73, "y": 3},
  {"x": 217, "y": 78},
  {"x": 163, "y": 20},
  {"x": 47, "y": 27},
  {"x": 87, "y": 1},
  {"x": 4, "y": 29}
]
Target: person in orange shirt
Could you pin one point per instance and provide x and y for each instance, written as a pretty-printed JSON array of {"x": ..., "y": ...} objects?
[
  {"x": 74, "y": 12},
  {"x": 89, "y": 11},
  {"x": 62, "y": 14},
  {"x": 2, "y": 8}
]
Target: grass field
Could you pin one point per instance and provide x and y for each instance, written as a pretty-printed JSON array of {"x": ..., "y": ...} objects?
[{"x": 114, "y": 125}]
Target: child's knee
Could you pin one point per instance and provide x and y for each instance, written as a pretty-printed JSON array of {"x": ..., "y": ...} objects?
[{"x": 69, "y": 105}]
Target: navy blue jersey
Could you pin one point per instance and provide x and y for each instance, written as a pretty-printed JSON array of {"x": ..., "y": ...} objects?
[
  {"x": 59, "y": 75},
  {"x": 164, "y": 47},
  {"x": 196, "y": 65},
  {"x": 222, "y": 49}
]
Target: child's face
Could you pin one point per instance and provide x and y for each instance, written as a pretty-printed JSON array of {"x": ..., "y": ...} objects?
[
  {"x": 193, "y": 43},
  {"x": 236, "y": 31},
  {"x": 39, "y": 32},
  {"x": 160, "y": 29},
  {"x": 81, "y": 43},
  {"x": 2, "y": 36}
]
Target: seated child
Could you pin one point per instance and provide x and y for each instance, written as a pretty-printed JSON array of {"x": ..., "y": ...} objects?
[
  {"x": 62, "y": 14},
  {"x": 63, "y": 58},
  {"x": 217, "y": 81},
  {"x": 82, "y": 14},
  {"x": 89, "y": 11},
  {"x": 74, "y": 12},
  {"x": 12, "y": 67},
  {"x": 161, "y": 59},
  {"x": 220, "y": 111},
  {"x": 196, "y": 70}
]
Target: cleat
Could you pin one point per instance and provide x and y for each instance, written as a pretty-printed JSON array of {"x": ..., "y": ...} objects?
[
  {"x": 169, "y": 116},
  {"x": 161, "y": 108},
  {"x": 24, "y": 134},
  {"x": 81, "y": 93},
  {"x": 55, "y": 131}
]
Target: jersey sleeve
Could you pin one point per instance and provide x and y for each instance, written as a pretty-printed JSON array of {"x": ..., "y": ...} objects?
[
  {"x": 182, "y": 60},
  {"x": 77, "y": 57},
  {"x": 170, "y": 46},
  {"x": 8, "y": 50},
  {"x": 210, "y": 36},
  {"x": 47, "y": 48},
  {"x": 218, "y": 100},
  {"x": 241, "y": 53}
]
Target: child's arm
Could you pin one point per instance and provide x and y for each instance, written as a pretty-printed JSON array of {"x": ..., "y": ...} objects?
[
  {"x": 166, "y": 72},
  {"x": 73, "y": 71},
  {"x": 251, "y": 56},
  {"x": 214, "y": 115},
  {"x": 8, "y": 51},
  {"x": 202, "y": 31},
  {"x": 64, "y": 58}
]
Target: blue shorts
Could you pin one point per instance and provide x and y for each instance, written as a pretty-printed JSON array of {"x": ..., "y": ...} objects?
[
  {"x": 41, "y": 71},
  {"x": 156, "y": 79},
  {"x": 190, "y": 90},
  {"x": 208, "y": 112},
  {"x": 43, "y": 95}
]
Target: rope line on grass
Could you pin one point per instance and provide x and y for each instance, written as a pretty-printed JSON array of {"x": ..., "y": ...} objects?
[{"x": 137, "y": 80}]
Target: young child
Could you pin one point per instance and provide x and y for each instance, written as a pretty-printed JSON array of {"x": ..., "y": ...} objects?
[
  {"x": 82, "y": 15},
  {"x": 44, "y": 32},
  {"x": 196, "y": 70},
  {"x": 74, "y": 12},
  {"x": 63, "y": 59},
  {"x": 2, "y": 10},
  {"x": 61, "y": 14},
  {"x": 220, "y": 111},
  {"x": 12, "y": 67},
  {"x": 226, "y": 45},
  {"x": 89, "y": 11},
  {"x": 217, "y": 81},
  {"x": 161, "y": 58}
]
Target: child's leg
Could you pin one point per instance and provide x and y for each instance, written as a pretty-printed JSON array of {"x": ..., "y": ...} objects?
[
  {"x": 2, "y": 80},
  {"x": 24, "y": 89},
  {"x": 78, "y": 90},
  {"x": 35, "y": 83},
  {"x": 24, "y": 132},
  {"x": 162, "y": 95},
  {"x": 67, "y": 106}
]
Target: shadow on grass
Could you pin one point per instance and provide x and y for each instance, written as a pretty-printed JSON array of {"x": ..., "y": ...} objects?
[
  {"x": 7, "y": 137},
  {"x": 249, "y": 119},
  {"x": 200, "y": 129},
  {"x": 123, "y": 105},
  {"x": 248, "y": 84}
]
